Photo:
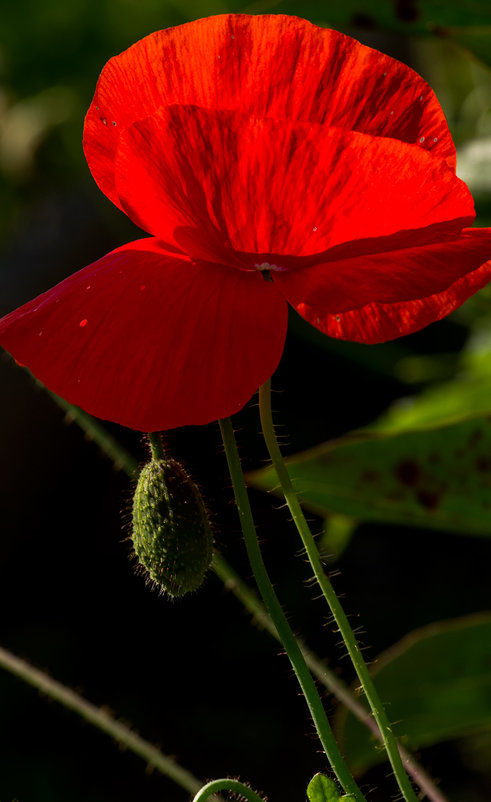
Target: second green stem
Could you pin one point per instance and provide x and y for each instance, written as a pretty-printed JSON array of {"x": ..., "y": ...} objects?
[
  {"x": 279, "y": 619},
  {"x": 337, "y": 611}
]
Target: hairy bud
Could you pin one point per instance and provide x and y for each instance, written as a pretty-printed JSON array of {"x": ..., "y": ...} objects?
[{"x": 172, "y": 536}]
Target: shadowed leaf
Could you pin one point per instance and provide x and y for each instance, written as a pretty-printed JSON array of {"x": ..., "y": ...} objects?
[
  {"x": 438, "y": 680},
  {"x": 438, "y": 478}
]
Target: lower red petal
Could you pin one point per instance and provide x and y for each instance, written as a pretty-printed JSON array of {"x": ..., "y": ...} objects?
[
  {"x": 379, "y": 297},
  {"x": 150, "y": 340}
]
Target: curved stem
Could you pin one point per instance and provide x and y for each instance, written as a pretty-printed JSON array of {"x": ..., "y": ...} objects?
[
  {"x": 337, "y": 611},
  {"x": 227, "y": 785},
  {"x": 281, "y": 624},
  {"x": 100, "y": 719}
]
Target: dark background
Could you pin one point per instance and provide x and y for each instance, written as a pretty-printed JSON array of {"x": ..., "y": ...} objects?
[{"x": 192, "y": 675}]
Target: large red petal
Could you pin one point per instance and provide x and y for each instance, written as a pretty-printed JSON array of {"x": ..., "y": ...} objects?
[
  {"x": 151, "y": 341},
  {"x": 379, "y": 297},
  {"x": 266, "y": 66},
  {"x": 217, "y": 181}
]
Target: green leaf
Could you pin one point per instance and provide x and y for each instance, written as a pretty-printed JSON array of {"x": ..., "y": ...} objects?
[
  {"x": 438, "y": 681},
  {"x": 425, "y": 462},
  {"x": 322, "y": 789},
  {"x": 467, "y": 397},
  {"x": 451, "y": 402},
  {"x": 438, "y": 478}
]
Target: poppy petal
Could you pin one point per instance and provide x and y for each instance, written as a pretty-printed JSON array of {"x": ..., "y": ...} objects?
[
  {"x": 219, "y": 181},
  {"x": 272, "y": 66},
  {"x": 152, "y": 341},
  {"x": 379, "y": 297}
]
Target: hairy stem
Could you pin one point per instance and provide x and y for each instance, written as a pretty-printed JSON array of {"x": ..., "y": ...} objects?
[
  {"x": 281, "y": 624},
  {"x": 99, "y": 718},
  {"x": 123, "y": 460},
  {"x": 227, "y": 784},
  {"x": 321, "y": 672},
  {"x": 335, "y": 607},
  {"x": 156, "y": 445}
]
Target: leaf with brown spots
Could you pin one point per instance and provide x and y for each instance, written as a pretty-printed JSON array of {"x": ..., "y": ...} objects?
[{"x": 438, "y": 478}]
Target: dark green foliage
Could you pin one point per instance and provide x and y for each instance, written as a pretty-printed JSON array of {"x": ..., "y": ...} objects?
[
  {"x": 172, "y": 535},
  {"x": 438, "y": 680},
  {"x": 438, "y": 478}
]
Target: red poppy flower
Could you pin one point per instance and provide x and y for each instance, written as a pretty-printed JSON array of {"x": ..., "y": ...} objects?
[{"x": 251, "y": 148}]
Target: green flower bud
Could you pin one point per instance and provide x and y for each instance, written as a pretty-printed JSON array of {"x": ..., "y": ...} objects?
[{"x": 172, "y": 535}]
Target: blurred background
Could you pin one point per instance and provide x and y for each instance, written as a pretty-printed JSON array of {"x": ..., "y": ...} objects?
[{"x": 194, "y": 676}]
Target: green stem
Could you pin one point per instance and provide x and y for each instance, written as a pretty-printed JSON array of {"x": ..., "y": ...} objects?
[
  {"x": 156, "y": 445},
  {"x": 328, "y": 678},
  {"x": 279, "y": 619},
  {"x": 102, "y": 720},
  {"x": 337, "y": 611},
  {"x": 227, "y": 785},
  {"x": 122, "y": 459}
]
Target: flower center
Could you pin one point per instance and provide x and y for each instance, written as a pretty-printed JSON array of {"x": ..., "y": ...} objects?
[{"x": 265, "y": 267}]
